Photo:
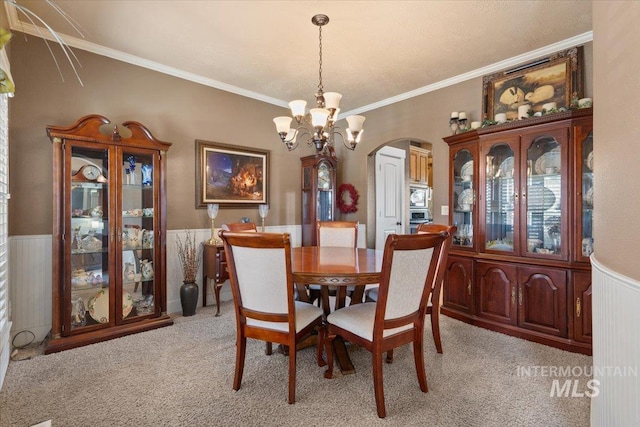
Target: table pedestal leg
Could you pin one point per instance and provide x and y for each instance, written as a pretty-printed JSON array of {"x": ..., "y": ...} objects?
[{"x": 342, "y": 356}]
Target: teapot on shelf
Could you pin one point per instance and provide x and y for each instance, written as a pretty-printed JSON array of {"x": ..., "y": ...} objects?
[{"x": 132, "y": 237}]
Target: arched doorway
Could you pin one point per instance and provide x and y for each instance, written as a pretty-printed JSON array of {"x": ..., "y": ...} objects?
[{"x": 403, "y": 144}]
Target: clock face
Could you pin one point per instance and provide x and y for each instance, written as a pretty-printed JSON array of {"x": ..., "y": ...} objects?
[
  {"x": 90, "y": 172},
  {"x": 324, "y": 177}
]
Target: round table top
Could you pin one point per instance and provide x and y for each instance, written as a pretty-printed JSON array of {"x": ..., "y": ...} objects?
[{"x": 336, "y": 265}]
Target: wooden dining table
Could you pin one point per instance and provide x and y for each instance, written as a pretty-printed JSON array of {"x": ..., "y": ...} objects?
[{"x": 336, "y": 267}]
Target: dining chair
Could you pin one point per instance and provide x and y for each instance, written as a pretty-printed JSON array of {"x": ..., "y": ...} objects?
[
  {"x": 397, "y": 318},
  {"x": 433, "y": 307},
  {"x": 262, "y": 288},
  {"x": 339, "y": 234},
  {"x": 245, "y": 227}
]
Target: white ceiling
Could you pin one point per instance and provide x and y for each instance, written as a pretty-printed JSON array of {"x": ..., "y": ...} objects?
[{"x": 374, "y": 52}]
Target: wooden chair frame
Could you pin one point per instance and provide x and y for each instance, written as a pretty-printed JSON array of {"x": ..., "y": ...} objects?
[
  {"x": 381, "y": 344},
  {"x": 324, "y": 293},
  {"x": 244, "y": 330},
  {"x": 433, "y": 310},
  {"x": 236, "y": 227}
]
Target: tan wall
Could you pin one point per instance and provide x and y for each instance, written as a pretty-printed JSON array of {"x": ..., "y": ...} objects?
[
  {"x": 181, "y": 112},
  {"x": 617, "y": 142},
  {"x": 174, "y": 110}
]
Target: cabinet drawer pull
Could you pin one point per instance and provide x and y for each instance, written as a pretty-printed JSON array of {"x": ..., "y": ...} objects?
[
  {"x": 520, "y": 296},
  {"x": 578, "y": 307},
  {"x": 513, "y": 295},
  {"x": 524, "y": 194},
  {"x": 469, "y": 287}
]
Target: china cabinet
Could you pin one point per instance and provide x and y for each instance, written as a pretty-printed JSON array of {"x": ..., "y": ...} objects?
[
  {"x": 521, "y": 195},
  {"x": 109, "y": 232},
  {"x": 318, "y": 194}
]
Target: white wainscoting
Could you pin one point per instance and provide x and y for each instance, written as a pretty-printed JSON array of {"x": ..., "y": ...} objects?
[
  {"x": 616, "y": 346},
  {"x": 30, "y": 279},
  {"x": 30, "y": 287}
]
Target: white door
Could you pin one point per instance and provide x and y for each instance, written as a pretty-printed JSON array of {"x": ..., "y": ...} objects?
[{"x": 389, "y": 193}]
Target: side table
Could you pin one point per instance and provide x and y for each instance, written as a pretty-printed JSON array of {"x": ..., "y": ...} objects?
[{"x": 214, "y": 267}]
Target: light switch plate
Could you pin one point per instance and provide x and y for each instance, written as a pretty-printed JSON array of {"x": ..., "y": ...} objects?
[{"x": 444, "y": 210}]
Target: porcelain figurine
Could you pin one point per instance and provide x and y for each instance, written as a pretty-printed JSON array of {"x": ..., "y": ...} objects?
[
  {"x": 78, "y": 313},
  {"x": 90, "y": 242},
  {"x": 132, "y": 237},
  {"x": 147, "y": 239},
  {"x": 97, "y": 212},
  {"x": 147, "y": 269},
  {"x": 129, "y": 273}
]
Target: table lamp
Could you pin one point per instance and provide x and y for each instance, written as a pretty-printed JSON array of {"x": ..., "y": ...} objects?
[{"x": 212, "y": 211}]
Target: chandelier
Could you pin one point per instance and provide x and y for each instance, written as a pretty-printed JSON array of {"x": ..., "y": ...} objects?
[{"x": 318, "y": 127}]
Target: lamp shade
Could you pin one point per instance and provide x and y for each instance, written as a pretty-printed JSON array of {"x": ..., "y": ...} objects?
[
  {"x": 319, "y": 116},
  {"x": 283, "y": 124},
  {"x": 297, "y": 107},
  {"x": 332, "y": 99},
  {"x": 355, "y": 123}
]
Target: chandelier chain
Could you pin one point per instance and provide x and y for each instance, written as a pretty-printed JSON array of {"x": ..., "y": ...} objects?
[
  {"x": 317, "y": 126},
  {"x": 320, "y": 87}
]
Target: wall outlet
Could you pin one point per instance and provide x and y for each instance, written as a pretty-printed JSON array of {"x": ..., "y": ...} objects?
[{"x": 444, "y": 210}]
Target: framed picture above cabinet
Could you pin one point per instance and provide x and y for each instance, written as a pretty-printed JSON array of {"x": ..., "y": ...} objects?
[
  {"x": 109, "y": 232},
  {"x": 553, "y": 79}
]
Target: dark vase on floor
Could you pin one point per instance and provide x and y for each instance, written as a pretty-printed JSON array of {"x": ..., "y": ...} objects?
[{"x": 189, "y": 298}]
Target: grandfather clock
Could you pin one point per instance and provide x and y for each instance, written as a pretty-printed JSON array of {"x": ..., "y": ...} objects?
[{"x": 318, "y": 194}]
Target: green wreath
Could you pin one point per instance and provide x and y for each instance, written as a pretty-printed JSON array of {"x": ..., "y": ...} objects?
[{"x": 345, "y": 207}]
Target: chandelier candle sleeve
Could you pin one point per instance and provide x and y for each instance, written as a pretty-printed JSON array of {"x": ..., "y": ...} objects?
[{"x": 317, "y": 128}]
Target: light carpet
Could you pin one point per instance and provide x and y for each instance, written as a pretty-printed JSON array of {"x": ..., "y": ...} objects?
[{"x": 182, "y": 376}]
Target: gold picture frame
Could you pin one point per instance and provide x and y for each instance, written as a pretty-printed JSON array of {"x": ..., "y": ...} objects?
[
  {"x": 557, "y": 78},
  {"x": 230, "y": 175}
]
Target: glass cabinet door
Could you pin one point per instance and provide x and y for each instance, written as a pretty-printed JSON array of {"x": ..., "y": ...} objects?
[
  {"x": 586, "y": 179},
  {"x": 87, "y": 241},
  {"x": 463, "y": 197},
  {"x": 544, "y": 197},
  {"x": 138, "y": 231},
  {"x": 500, "y": 197}
]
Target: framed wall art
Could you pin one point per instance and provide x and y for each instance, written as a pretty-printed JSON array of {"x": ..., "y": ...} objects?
[
  {"x": 556, "y": 78},
  {"x": 230, "y": 175}
]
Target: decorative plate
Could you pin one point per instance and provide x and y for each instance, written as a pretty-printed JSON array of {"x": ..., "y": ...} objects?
[
  {"x": 590, "y": 161},
  {"x": 540, "y": 198},
  {"x": 99, "y": 305},
  {"x": 588, "y": 198},
  {"x": 550, "y": 159},
  {"x": 465, "y": 198},
  {"x": 466, "y": 171},
  {"x": 499, "y": 245},
  {"x": 506, "y": 167}
]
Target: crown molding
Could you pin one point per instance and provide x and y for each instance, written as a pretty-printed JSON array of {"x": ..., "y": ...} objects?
[{"x": 489, "y": 69}]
